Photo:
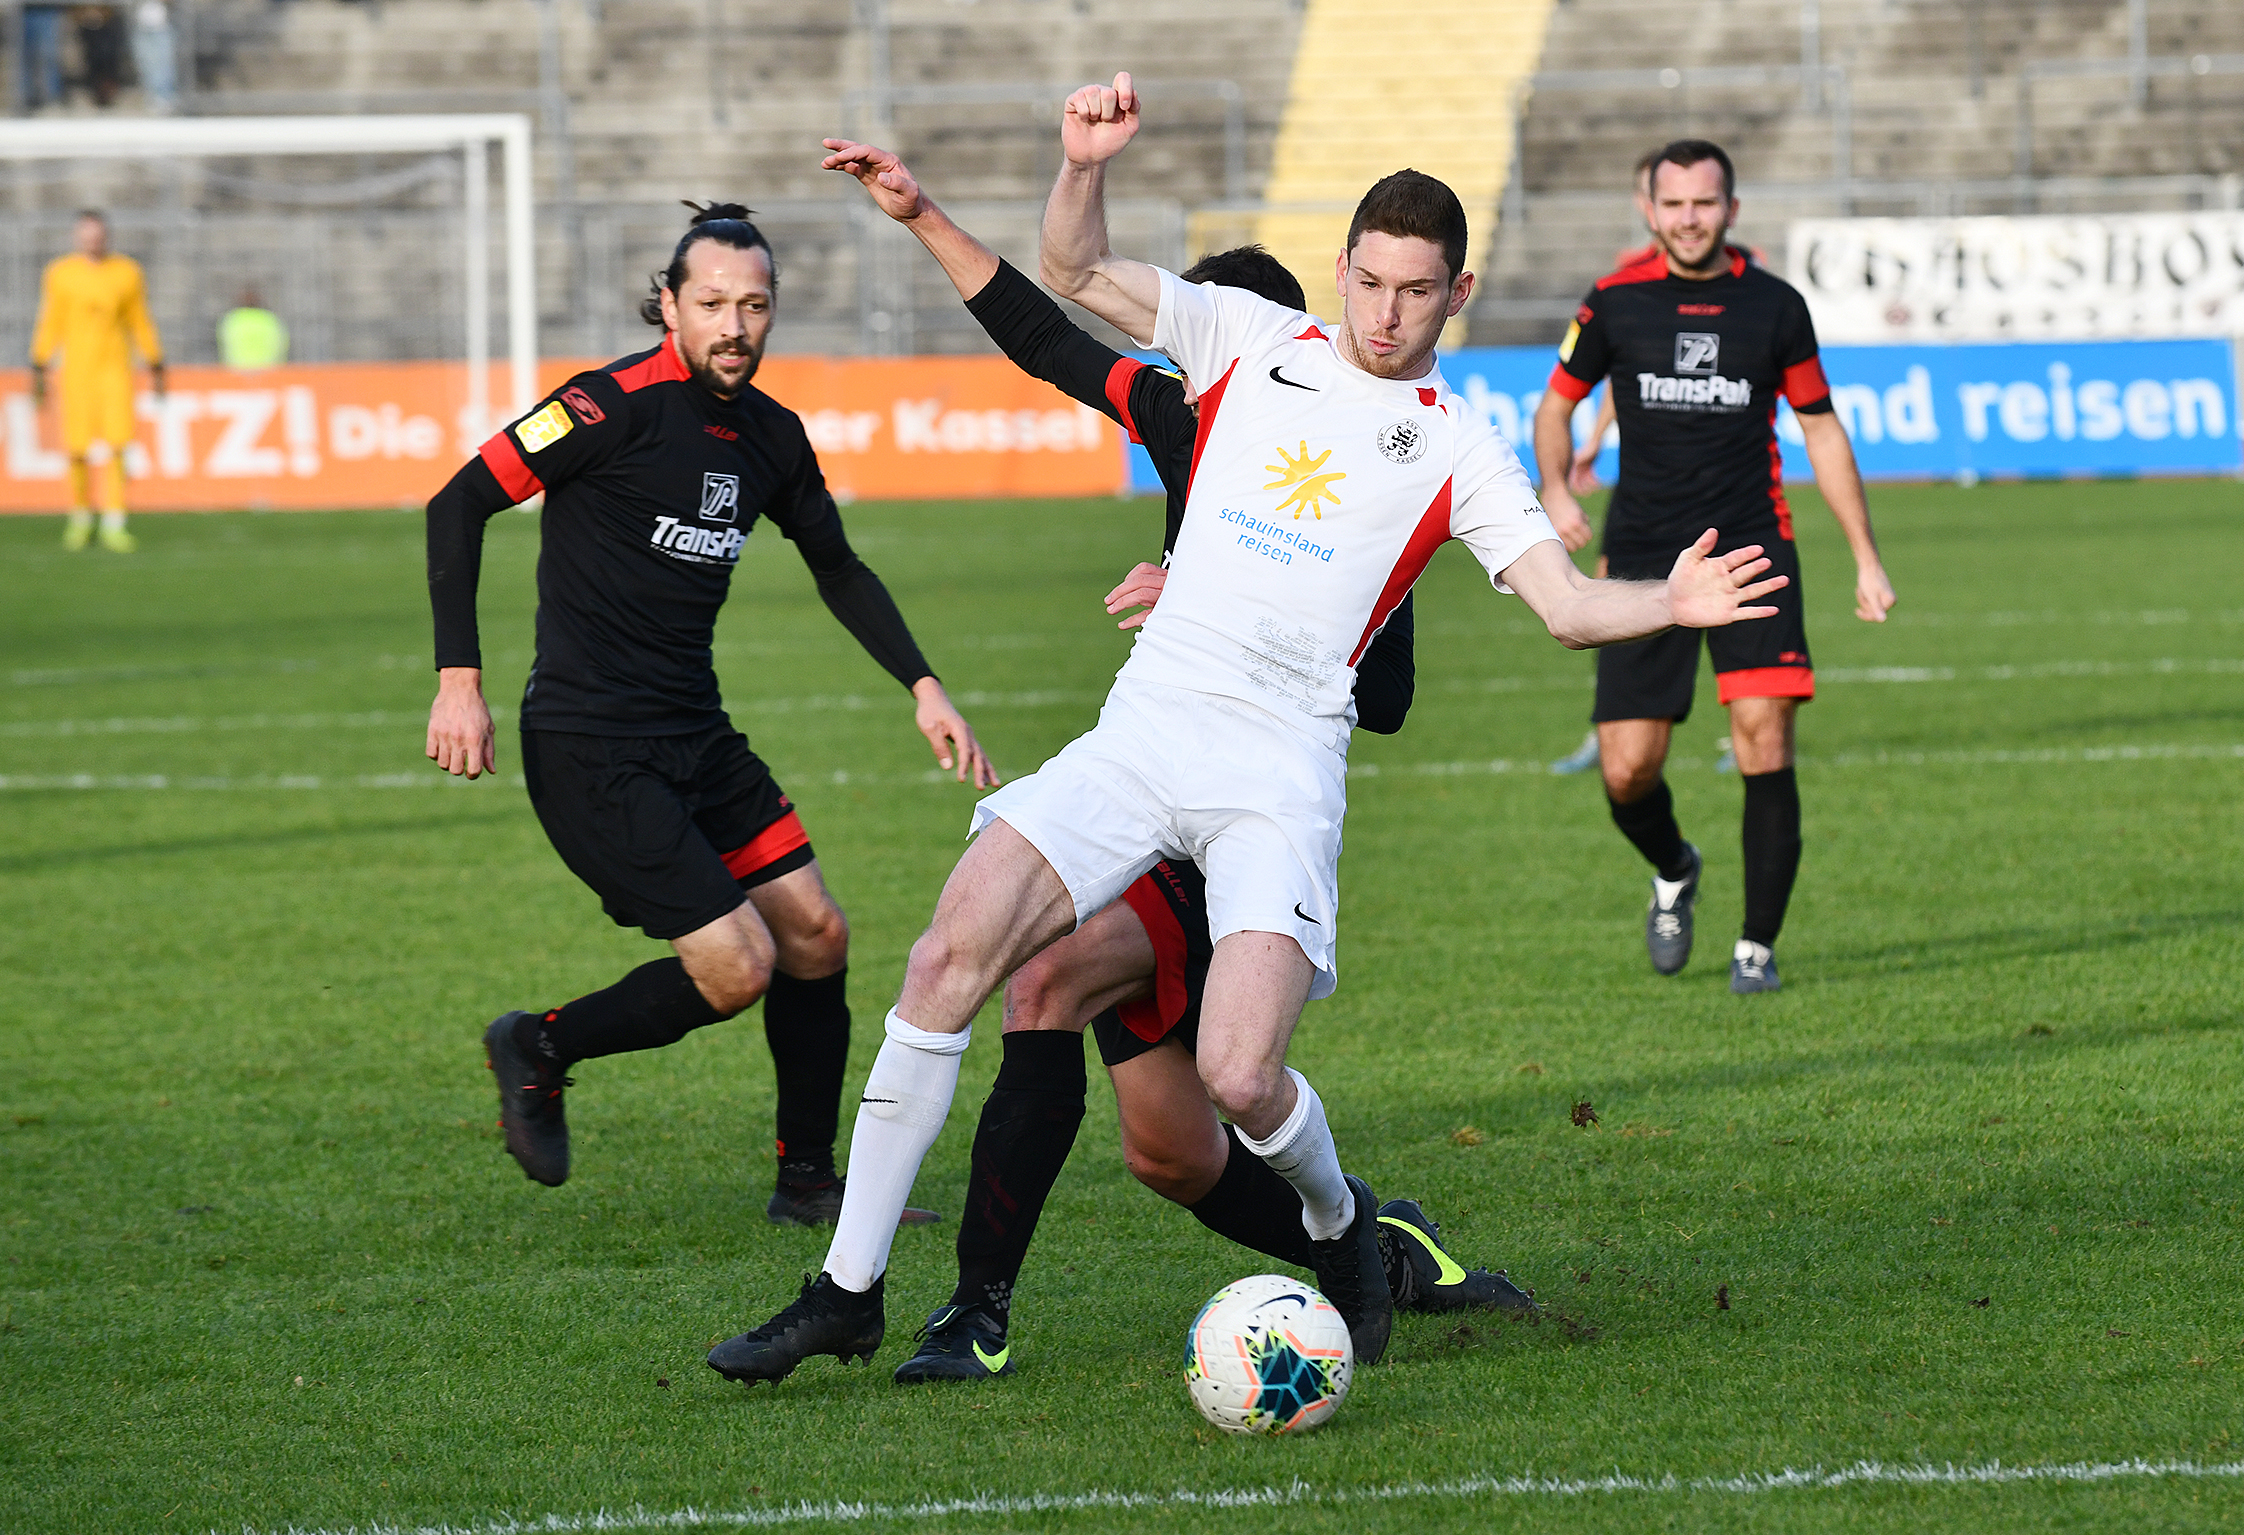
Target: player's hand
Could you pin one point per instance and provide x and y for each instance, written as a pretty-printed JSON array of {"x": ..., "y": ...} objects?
[
  {"x": 1706, "y": 590},
  {"x": 895, "y": 190},
  {"x": 948, "y": 733},
  {"x": 1099, "y": 121},
  {"x": 1566, "y": 517},
  {"x": 1873, "y": 593},
  {"x": 38, "y": 388},
  {"x": 156, "y": 379},
  {"x": 1141, "y": 588},
  {"x": 461, "y": 740},
  {"x": 1582, "y": 480}
]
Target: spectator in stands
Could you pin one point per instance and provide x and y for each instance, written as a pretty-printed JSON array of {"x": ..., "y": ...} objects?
[
  {"x": 101, "y": 41},
  {"x": 40, "y": 82},
  {"x": 250, "y": 336},
  {"x": 154, "y": 57}
]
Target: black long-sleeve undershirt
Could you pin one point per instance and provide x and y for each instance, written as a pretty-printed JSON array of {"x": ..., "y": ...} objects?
[{"x": 1043, "y": 342}]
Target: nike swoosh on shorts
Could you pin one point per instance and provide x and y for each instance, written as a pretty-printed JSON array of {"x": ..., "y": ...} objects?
[{"x": 1304, "y": 916}]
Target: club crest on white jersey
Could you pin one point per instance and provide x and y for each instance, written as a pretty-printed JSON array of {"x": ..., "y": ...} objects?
[
  {"x": 1402, "y": 442},
  {"x": 720, "y": 497}
]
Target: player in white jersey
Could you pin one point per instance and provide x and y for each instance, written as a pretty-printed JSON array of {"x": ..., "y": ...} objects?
[{"x": 1330, "y": 468}]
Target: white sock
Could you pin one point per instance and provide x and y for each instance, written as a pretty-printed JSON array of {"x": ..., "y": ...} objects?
[
  {"x": 112, "y": 522},
  {"x": 1301, "y": 1152},
  {"x": 80, "y": 518},
  {"x": 907, "y": 1097}
]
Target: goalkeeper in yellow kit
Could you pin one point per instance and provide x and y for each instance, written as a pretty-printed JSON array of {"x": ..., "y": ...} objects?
[{"x": 93, "y": 308}]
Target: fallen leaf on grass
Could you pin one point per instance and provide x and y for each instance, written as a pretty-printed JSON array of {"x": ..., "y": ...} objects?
[
  {"x": 1722, "y": 1297},
  {"x": 662, "y": 1381},
  {"x": 1632, "y": 1130},
  {"x": 2113, "y": 1332},
  {"x": 1529, "y": 1069},
  {"x": 1937, "y": 1221},
  {"x": 1584, "y": 1116},
  {"x": 1982, "y": 1300},
  {"x": 1465, "y": 1135}
]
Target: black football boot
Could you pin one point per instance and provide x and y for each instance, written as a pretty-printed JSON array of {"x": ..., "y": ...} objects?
[
  {"x": 824, "y": 1319},
  {"x": 1423, "y": 1276},
  {"x": 1352, "y": 1277},
  {"x": 530, "y": 1109}
]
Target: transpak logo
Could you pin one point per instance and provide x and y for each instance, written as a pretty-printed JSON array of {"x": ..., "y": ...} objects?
[{"x": 1307, "y": 481}]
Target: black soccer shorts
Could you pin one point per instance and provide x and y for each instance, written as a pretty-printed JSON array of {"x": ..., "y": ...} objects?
[
  {"x": 669, "y": 831},
  {"x": 1171, "y": 899},
  {"x": 1654, "y": 679}
]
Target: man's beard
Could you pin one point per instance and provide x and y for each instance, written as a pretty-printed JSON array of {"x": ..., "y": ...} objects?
[
  {"x": 1716, "y": 251},
  {"x": 704, "y": 368}
]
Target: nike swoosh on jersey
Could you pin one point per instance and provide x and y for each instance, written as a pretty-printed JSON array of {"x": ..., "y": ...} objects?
[
  {"x": 1304, "y": 916},
  {"x": 996, "y": 1362},
  {"x": 1279, "y": 378},
  {"x": 876, "y": 1100},
  {"x": 1450, "y": 1270}
]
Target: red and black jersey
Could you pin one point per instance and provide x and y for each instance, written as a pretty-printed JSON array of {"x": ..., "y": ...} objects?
[
  {"x": 652, "y": 485},
  {"x": 1696, "y": 368}
]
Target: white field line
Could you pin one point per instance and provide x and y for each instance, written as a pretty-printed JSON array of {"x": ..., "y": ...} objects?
[
  {"x": 1814, "y": 1478},
  {"x": 752, "y": 708},
  {"x": 432, "y": 779}
]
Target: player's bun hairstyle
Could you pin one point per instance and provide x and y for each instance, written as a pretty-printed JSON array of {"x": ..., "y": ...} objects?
[
  {"x": 1411, "y": 205},
  {"x": 727, "y": 224},
  {"x": 1253, "y": 268},
  {"x": 1690, "y": 152}
]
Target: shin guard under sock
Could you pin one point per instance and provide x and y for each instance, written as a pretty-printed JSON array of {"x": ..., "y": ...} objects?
[
  {"x": 1772, "y": 851},
  {"x": 655, "y": 1005},
  {"x": 806, "y": 1023},
  {"x": 907, "y": 1096},
  {"x": 1255, "y": 1207},
  {"x": 1301, "y": 1152},
  {"x": 1028, "y": 1127},
  {"x": 1649, "y": 823}
]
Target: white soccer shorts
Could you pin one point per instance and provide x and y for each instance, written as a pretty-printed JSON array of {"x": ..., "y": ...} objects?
[{"x": 1255, "y": 801}]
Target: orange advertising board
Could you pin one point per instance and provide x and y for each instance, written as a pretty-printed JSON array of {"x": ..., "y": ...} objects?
[{"x": 332, "y": 436}]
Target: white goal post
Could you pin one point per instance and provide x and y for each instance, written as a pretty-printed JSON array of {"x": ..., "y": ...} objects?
[{"x": 469, "y": 134}]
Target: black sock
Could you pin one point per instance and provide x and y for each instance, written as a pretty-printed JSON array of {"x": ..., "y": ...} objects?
[
  {"x": 1650, "y": 824},
  {"x": 1255, "y": 1207},
  {"x": 806, "y": 1023},
  {"x": 1027, "y": 1129},
  {"x": 1772, "y": 851},
  {"x": 655, "y": 1005}
]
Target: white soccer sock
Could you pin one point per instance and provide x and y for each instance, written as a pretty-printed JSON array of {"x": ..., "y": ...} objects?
[
  {"x": 1301, "y": 1152},
  {"x": 907, "y": 1097},
  {"x": 112, "y": 522}
]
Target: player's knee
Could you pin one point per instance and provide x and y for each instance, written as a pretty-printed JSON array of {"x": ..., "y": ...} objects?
[
  {"x": 823, "y": 947},
  {"x": 1039, "y": 997},
  {"x": 1628, "y": 780},
  {"x": 736, "y": 983},
  {"x": 1167, "y": 1174},
  {"x": 937, "y": 959},
  {"x": 1244, "y": 1091}
]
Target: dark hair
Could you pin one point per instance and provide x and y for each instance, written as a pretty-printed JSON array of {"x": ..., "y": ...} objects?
[
  {"x": 1413, "y": 205},
  {"x": 1690, "y": 152},
  {"x": 727, "y": 224},
  {"x": 95, "y": 214},
  {"x": 1253, "y": 268}
]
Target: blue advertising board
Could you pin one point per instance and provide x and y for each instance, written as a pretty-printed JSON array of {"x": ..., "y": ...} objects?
[{"x": 2022, "y": 409}]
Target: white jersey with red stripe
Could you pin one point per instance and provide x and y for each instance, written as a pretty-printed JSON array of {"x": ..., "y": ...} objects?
[{"x": 1318, "y": 494}]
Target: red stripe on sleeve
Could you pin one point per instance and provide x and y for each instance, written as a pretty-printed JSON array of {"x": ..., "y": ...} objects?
[
  {"x": 1804, "y": 383},
  {"x": 1118, "y": 381},
  {"x": 1566, "y": 385},
  {"x": 507, "y": 467},
  {"x": 1430, "y": 534}
]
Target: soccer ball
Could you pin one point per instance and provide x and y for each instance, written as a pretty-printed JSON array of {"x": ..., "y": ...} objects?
[{"x": 1267, "y": 1355}]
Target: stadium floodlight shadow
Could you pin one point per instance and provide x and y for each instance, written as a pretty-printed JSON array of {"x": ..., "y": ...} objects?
[{"x": 59, "y": 858}]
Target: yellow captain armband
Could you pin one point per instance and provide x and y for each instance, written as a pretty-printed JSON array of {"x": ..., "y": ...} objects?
[{"x": 1566, "y": 347}]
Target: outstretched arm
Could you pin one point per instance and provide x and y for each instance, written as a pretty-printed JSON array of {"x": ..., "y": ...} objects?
[
  {"x": 1704, "y": 591},
  {"x": 1832, "y": 457},
  {"x": 896, "y": 192},
  {"x": 1097, "y": 124}
]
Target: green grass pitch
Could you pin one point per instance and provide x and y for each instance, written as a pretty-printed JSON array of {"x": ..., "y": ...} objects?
[{"x": 1970, "y": 1185}]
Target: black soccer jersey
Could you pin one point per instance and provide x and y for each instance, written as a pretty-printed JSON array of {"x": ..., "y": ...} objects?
[
  {"x": 1696, "y": 369},
  {"x": 652, "y": 485}
]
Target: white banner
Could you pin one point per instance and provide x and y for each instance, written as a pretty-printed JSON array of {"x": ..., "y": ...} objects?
[{"x": 2022, "y": 279}]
